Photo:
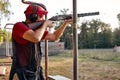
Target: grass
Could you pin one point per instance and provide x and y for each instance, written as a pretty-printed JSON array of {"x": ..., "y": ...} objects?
[
  {"x": 93, "y": 64},
  {"x": 101, "y": 64}
]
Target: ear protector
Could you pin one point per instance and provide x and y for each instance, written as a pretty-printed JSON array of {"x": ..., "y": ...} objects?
[{"x": 33, "y": 17}]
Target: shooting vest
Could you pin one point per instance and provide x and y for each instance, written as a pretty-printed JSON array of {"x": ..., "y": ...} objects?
[{"x": 31, "y": 68}]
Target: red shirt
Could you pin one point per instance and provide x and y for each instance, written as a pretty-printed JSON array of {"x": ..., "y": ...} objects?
[
  {"x": 23, "y": 50},
  {"x": 19, "y": 29}
]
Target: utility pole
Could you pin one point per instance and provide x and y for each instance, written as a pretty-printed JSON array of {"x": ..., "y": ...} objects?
[{"x": 75, "y": 41}]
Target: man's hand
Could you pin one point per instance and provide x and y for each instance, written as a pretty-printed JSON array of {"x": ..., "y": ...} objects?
[
  {"x": 68, "y": 21},
  {"x": 48, "y": 23}
]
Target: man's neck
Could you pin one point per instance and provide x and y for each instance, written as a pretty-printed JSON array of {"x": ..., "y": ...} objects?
[{"x": 28, "y": 21}]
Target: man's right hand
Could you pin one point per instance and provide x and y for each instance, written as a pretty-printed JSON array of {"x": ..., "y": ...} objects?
[{"x": 48, "y": 23}]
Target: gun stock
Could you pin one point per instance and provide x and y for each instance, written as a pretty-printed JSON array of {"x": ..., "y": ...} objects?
[{"x": 36, "y": 25}]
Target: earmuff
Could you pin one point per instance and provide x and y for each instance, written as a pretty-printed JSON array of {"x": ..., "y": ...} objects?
[{"x": 33, "y": 17}]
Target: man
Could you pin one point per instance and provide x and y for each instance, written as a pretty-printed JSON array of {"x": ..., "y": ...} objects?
[{"x": 26, "y": 42}]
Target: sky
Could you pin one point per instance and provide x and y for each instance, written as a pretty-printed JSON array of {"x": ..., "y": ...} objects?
[{"x": 108, "y": 9}]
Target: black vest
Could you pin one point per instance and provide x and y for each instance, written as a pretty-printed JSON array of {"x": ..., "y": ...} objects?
[
  {"x": 18, "y": 67},
  {"x": 28, "y": 48}
]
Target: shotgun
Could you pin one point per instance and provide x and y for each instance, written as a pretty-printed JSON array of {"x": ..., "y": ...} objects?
[{"x": 36, "y": 25}]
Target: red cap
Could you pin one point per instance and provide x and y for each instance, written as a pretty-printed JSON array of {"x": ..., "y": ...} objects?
[{"x": 39, "y": 10}]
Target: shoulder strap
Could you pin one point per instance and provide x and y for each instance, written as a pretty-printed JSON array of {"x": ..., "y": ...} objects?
[{"x": 25, "y": 23}]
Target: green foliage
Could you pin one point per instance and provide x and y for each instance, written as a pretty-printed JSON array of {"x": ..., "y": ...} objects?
[
  {"x": 116, "y": 36},
  {"x": 1, "y": 37},
  {"x": 95, "y": 34},
  {"x": 99, "y": 54},
  {"x": 91, "y": 54},
  {"x": 4, "y": 9},
  {"x": 93, "y": 64},
  {"x": 5, "y": 35}
]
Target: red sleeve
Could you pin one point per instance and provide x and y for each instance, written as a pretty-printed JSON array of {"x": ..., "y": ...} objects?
[{"x": 18, "y": 30}]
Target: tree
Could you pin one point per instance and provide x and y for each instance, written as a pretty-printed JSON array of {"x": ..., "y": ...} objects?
[
  {"x": 95, "y": 34},
  {"x": 82, "y": 37},
  {"x": 118, "y": 17},
  {"x": 116, "y": 33},
  {"x": 4, "y": 11},
  {"x": 116, "y": 36}
]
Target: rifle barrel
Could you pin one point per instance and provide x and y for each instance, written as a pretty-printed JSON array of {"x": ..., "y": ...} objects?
[{"x": 88, "y": 14}]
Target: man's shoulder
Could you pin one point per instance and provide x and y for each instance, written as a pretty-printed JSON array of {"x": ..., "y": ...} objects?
[{"x": 18, "y": 23}]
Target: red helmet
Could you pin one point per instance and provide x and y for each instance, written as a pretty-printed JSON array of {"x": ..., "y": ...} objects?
[{"x": 35, "y": 9}]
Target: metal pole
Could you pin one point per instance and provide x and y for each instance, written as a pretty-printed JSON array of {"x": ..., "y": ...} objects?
[
  {"x": 46, "y": 59},
  {"x": 46, "y": 56},
  {"x": 75, "y": 41},
  {"x": 7, "y": 41}
]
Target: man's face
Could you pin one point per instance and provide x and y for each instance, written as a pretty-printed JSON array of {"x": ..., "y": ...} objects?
[{"x": 40, "y": 17}]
